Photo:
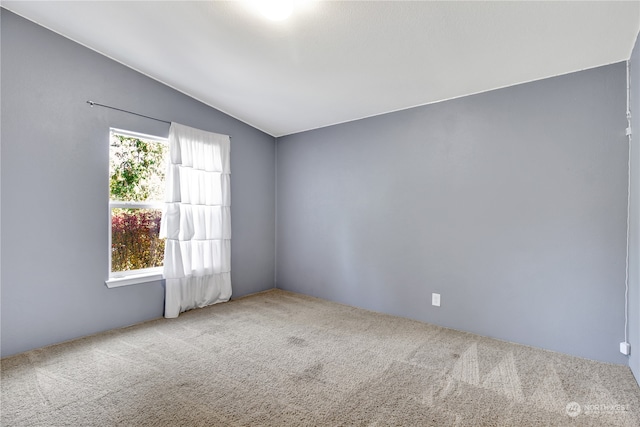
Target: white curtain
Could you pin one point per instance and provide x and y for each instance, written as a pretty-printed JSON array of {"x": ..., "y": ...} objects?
[{"x": 196, "y": 220}]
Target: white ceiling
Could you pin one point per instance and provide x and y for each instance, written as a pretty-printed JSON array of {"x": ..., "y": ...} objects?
[{"x": 333, "y": 62}]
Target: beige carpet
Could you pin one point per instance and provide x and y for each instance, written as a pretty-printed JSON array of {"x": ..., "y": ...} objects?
[{"x": 281, "y": 359}]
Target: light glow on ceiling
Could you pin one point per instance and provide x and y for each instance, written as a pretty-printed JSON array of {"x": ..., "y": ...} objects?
[{"x": 276, "y": 10}]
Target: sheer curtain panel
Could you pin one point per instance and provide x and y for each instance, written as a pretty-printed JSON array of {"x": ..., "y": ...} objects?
[{"x": 197, "y": 220}]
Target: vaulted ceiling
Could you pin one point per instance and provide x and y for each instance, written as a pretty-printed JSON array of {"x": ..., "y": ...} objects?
[{"x": 338, "y": 61}]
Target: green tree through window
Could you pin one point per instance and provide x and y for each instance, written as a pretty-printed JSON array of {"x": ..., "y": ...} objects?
[{"x": 137, "y": 169}]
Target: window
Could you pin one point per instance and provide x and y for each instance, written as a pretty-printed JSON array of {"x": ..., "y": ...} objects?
[{"x": 137, "y": 166}]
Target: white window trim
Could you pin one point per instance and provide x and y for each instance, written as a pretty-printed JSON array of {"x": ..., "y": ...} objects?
[
  {"x": 137, "y": 205},
  {"x": 149, "y": 275},
  {"x": 133, "y": 277},
  {"x": 138, "y": 135}
]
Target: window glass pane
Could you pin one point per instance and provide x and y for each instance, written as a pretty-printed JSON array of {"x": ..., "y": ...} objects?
[
  {"x": 134, "y": 239},
  {"x": 137, "y": 167}
]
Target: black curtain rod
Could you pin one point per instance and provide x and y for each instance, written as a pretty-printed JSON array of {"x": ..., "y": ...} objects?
[{"x": 91, "y": 103}]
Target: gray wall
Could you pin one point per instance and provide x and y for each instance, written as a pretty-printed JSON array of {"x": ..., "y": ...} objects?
[
  {"x": 634, "y": 216},
  {"x": 55, "y": 187},
  {"x": 510, "y": 203}
]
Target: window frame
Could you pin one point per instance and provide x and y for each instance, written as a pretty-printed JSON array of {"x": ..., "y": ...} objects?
[{"x": 142, "y": 275}]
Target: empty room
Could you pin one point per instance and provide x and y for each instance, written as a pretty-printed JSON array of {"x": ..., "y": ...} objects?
[{"x": 320, "y": 213}]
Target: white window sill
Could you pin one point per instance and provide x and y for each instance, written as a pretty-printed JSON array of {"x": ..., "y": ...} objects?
[{"x": 133, "y": 279}]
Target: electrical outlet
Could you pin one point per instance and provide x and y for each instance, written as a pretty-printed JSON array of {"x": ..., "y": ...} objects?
[
  {"x": 435, "y": 299},
  {"x": 625, "y": 348}
]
